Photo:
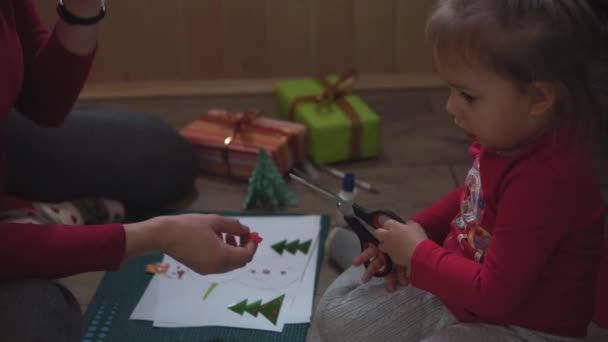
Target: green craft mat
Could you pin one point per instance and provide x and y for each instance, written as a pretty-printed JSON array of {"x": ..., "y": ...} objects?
[{"x": 107, "y": 317}]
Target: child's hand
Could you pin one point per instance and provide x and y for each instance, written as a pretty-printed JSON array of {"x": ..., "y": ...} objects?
[
  {"x": 372, "y": 254},
  {"x": 376, "y": 262},
  {"x": 398, "y": 276},
  {"x": 399, "y": 240}
]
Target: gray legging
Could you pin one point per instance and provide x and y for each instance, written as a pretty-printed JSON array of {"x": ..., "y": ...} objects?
[
  {"x": 126, "y": 156},
  {"x": 352, "y": 311},
  {"x": 130, "y": 157},
  {"x": 38, "y": 310}
]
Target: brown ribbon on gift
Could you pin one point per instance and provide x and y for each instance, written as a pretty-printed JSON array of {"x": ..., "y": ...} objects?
[
  {"x": 247, "y": 121},
  {"x": 238, "y": 124},
  {"x": 336, "y": 93}
]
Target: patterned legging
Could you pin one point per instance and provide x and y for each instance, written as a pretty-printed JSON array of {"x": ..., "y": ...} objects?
[{"x": 352, "y": 311}]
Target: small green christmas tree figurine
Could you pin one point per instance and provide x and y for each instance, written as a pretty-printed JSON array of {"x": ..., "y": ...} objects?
[{"x": 267, "y": 188}]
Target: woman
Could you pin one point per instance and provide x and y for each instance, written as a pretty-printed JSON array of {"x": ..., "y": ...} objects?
[{"x": 128, "y": 158}]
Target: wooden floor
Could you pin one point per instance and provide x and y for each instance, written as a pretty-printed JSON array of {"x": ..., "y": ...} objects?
[{"x": 423, "y": 157}]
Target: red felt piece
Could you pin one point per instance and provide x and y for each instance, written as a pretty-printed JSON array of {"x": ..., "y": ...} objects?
[{"x": 255, "y": 237}]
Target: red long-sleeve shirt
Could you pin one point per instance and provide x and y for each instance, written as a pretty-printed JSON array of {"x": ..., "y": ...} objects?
[
  {"x": 520, "y": 242},
  {"x": 42, "y": 80}
]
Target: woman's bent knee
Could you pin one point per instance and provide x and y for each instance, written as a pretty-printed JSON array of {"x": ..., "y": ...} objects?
[{"x": 39, "y": 310}]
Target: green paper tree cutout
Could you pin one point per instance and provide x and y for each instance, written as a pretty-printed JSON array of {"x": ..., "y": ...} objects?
[
  {"x": 292, "y": 247},
  {"x": 269, "y": 310},
  {"x": 239, "y": 308},
  {"x": 272, "y": 309},
  {"x": 267, "y": 188},
  {"x": 254, "y": 308}
]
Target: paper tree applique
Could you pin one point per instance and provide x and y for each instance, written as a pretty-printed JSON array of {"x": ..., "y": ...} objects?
[
  {"x": 267, "y": 188},
  {"x": 209, "y": 290},
  {"x": 292, "y": 247},
  {"x": 157, "y": 268},
  {"x": 269, "y": 310}
]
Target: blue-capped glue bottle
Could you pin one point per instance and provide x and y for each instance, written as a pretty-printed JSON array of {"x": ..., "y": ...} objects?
[
  {"x": 342, "y": 244},
  {"x": 347, "y": 193}
]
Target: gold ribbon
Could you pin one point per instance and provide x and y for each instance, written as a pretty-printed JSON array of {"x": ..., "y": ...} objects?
[
  {"x": 238, "y": 125},
  {"x": 336, "y": 93}
]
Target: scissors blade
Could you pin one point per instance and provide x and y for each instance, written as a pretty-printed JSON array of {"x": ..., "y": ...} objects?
[
  {"x": 328, "y": 194},
  {"x": 342, "y": 205}
]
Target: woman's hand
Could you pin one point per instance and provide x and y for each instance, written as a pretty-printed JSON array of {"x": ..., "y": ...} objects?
[
  {"x": 399, "y": 240},
  {"x": 204, "y": 243}
]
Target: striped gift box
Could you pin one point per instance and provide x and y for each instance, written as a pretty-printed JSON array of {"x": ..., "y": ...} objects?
[{"x": 227, "y": 143}]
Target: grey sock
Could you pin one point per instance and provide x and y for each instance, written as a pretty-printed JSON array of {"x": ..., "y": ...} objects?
[{"x": 343, "y": 247}]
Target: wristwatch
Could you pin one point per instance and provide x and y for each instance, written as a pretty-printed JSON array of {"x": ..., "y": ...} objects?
[{"x": 72, "y": 19}]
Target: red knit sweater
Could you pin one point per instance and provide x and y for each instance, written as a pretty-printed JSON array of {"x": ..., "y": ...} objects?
[
  {"x": 42, "y": 80},
  {"x": 520, "y": 242}
]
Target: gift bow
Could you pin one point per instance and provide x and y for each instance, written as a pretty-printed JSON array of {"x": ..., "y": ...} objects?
[
  {"x": 247, "y": 121},
  {"x": 336, "y": 93},
  {"x": 239, "y": 123}
]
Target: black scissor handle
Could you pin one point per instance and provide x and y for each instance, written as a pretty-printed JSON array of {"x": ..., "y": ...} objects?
[
  {"x": 378, "y": 214},
  {"x": 366, "y": 239},
  {"x": 374, "y": 217}
]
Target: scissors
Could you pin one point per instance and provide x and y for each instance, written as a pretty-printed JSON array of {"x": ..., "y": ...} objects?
[{"x": 362, "y": 221}]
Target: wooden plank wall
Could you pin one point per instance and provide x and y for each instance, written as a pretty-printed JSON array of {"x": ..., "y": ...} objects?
[{"x": 193, "y": 40}]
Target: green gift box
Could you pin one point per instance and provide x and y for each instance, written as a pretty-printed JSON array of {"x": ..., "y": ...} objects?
[{"x": 341, "y": 126}]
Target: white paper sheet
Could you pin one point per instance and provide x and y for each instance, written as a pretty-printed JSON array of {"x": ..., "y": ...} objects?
[
  {"x": 146, "y": 307},
  {"x": 175, "y": 299},
  {"x": 300, "y": 310},
  {"x": 301, "y": 307},
  {"x": 187, "y": 308}
]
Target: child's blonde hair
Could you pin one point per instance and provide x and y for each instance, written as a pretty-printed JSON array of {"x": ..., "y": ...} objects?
[{"x": 560, "y": 41}]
